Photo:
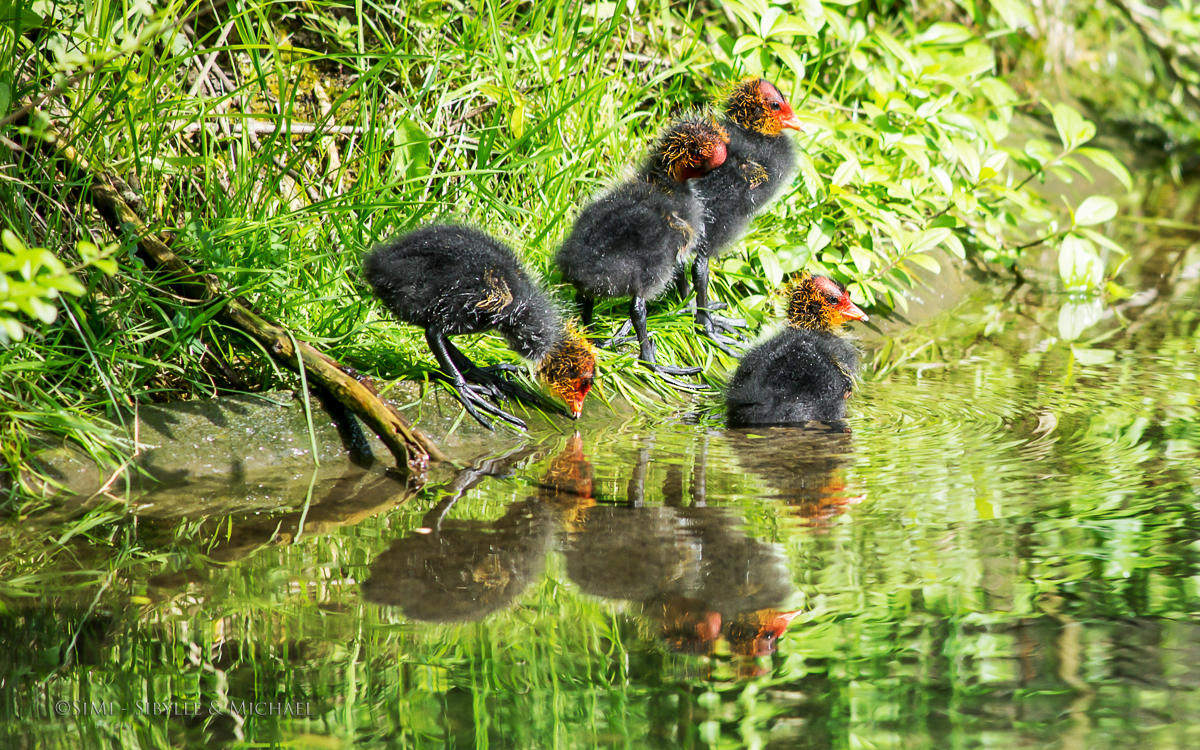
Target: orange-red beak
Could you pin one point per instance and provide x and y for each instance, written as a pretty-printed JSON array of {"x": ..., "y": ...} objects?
[
  {"x": 851, "y": 311},
  {"x": 780, "y": 623},
  {"x": 575, "y": 401},
  {"x": 792, "y": 122}
]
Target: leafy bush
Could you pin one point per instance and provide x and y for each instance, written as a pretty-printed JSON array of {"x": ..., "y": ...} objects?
[
  {"x": 909, "y": 152},
  {"x": 278, "y": 142}
]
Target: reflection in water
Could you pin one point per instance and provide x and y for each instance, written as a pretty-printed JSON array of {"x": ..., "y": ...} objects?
[
  {"x": 804, "y": 465},
  {"x": 1023, "y": 574},
  {"x": 451, "y": 570},
  {"x": 690, "y": 569}
]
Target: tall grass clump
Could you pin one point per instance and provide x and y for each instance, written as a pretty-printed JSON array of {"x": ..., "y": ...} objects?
[{"x": 276, "y": 142}]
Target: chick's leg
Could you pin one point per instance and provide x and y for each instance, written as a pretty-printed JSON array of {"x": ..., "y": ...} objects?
[
  {"x": 586, "y": 307},
  {"x": 648, "y": 355},
  {"x": 496, "y": 385},
  {"x": 472, "y": 400},
  {"x": 712, "y": 326}
]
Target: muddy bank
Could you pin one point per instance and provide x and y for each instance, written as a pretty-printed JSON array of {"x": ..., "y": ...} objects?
[{"x": 255, "y": 453}]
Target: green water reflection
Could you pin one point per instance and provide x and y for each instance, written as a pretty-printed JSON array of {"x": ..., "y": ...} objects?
[{"x": 1001, "y": 551}]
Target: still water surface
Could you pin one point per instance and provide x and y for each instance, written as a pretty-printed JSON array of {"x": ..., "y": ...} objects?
[{"x": 999, "y": 549}]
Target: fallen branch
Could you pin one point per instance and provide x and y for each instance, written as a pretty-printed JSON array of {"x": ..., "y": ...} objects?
[
  {"x": 411, "y": 449},
  {"x": 249, "y": 125}
]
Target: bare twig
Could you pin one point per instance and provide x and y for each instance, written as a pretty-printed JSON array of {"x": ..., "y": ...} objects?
[
  {"x": 245, "y": 124},
  {"x": 212, "y": 58}
]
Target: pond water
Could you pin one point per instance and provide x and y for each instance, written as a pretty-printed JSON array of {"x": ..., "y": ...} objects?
[{"x": 1000, "y": 549}]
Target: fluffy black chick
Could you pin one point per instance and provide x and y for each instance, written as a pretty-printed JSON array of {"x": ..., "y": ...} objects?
[
  {"x": 760, "y": 161},
  {"x": 629, "y": 241},
  {"x": 806, "y": 371},
  {"x": 454, "y": 280}
]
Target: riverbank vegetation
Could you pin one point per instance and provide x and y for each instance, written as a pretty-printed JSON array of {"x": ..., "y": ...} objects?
[{"x": 274, "y": 143}]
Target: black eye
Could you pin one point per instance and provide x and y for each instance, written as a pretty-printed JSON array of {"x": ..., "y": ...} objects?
[
  {"x": 775, "y": 106},
  {"x": 832, "y": 299}
]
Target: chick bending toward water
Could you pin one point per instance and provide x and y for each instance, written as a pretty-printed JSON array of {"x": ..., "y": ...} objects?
[
  {"x": 806, "y": 371},
  {"x": 453, "y": 280}
]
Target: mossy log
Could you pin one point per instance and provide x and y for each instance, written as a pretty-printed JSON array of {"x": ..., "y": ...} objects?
[{"x": 411, "y": 449}]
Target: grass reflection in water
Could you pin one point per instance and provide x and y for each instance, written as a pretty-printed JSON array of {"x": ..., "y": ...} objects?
[{"x": 1002, "y": 551}]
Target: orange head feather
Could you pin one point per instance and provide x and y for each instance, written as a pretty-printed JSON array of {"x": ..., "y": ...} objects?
[
  {"x": 818, "y": 303},
  {"x": 690, "y": 148},
  {"x": 569, "y": 369},
  {"x": 756, "y": 105}
]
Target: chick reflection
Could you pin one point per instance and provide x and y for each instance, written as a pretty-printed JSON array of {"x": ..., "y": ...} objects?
[
  {"x": 689, "y": 569},
  {"x": 460, "y": 570},
  {"x": 805, "y": 465}
]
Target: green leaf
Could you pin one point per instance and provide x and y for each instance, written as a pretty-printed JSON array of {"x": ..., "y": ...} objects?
[
  {"x": 976, "y": 59},
  {"x": 1095, "y": 210},
  {"x": 808, "y": 170},
  {"x": 925, "y": 261},
  {"x": 968, "y": 157},
  {"x": 1039, "y": 150},
  {"x": 41, "y": 310},
  {"x": 1093, "y": 357},
  {"x": 1107, "y": 161},
  {"x": 789, "y": 58},
  {"x": 792, "y": 26},
  {"x": 928, "y": 239},
  {"x": 68, "y": 284},
  {"x": 746, "y": 42},
  {"x": 997, "y": 91},
  {"x": 516, "y": 119},
  {"x": 955, "y": 245},
  {"x": 1076, "y": 317},
  {"x": 1101, "y": 240},
  {"x": 1078, "y": 264},
  {"x": 846, "y": 171},
  {"x": 769, "y": 19},
  {"x": 891, "y": 45},
  {"x": 818, "y": 238},
  {"x": 107, "y": 265},
  {"x": 943, "y": 181},
  {"x": 11, "y": 329},
  {"x": 862, "y": 258},
  {"x": 946, "y": 33},
  {"x": 770, "y": 264},
  {"x": 12, "y": 242},
  {"x": 1072, "y": 129},
  {"x": 1015, "y": 13},
  {"x": 746, "y": 15},
  {"x": 412, "y": 147}
]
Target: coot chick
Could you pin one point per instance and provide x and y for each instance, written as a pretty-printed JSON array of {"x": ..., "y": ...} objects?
[
  {"x": 453, "y": 280},
  {"x": 759, "y": 162},
  {"x": 806, "y": 371},
  {"x": 629, "y": 242}
]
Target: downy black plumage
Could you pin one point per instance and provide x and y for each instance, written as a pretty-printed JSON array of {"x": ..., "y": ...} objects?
[
  {"x": 454, "y": 280},
  {"x": 806, "y": 371},
  {"x": 760, "y": 161},
  {"x": 628, "y": 242}
]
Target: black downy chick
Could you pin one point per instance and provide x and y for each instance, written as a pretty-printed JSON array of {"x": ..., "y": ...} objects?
[
  {"x": 629, "y": 242},
  {"x": 806, "y": 371},
  {"x": 760, "y": 161},
  {"x": 454, "y": 280}
]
